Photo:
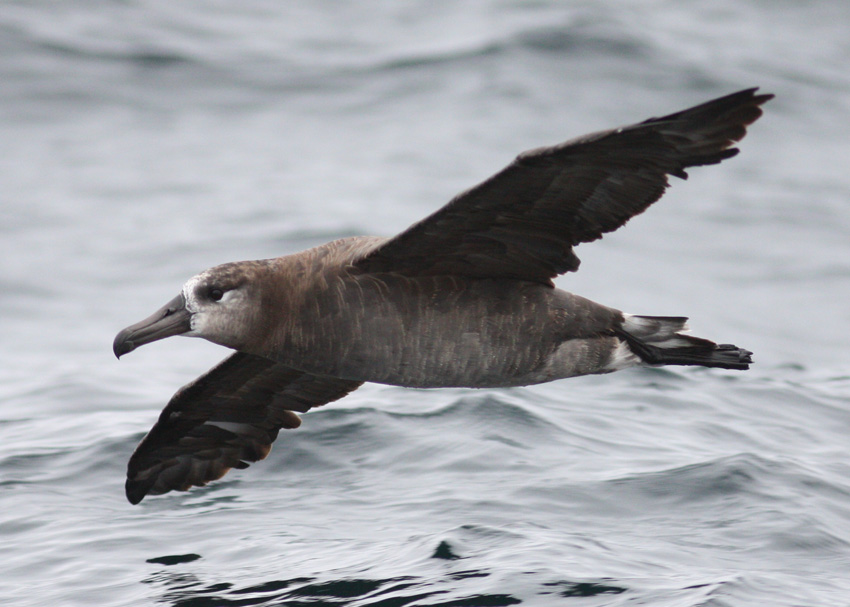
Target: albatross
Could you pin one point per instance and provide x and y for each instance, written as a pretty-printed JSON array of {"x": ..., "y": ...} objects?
[{"x": 463, "y": 298}]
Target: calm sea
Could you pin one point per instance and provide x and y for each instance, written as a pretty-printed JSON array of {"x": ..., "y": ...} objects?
[{"x": 142, "y": 141}]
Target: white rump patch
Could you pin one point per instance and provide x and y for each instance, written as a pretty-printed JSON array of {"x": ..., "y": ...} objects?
[
  {"x": 622, "y": 358},
  {"x": 640, "y": 326},
  {"x": 659, "y": 331}
]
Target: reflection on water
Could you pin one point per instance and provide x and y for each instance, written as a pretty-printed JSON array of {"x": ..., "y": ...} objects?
[{"x": 182, "y": 590}]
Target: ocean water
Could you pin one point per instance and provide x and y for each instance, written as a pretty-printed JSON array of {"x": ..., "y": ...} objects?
[{"x": 142, "y": 141}]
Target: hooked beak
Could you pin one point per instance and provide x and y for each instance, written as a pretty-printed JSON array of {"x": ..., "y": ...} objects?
[{"x": 170, "y": 319}]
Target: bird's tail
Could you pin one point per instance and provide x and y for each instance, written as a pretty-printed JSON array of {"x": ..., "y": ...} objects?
[{"x": 659, "y": 340}]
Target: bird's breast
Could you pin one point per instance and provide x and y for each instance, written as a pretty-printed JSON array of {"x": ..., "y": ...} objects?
[{"x": 428, "y": 331}]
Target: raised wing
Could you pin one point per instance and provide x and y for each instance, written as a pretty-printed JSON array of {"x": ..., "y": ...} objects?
[
  {"x": 224, "y": 419},
  {"x": 523, "y": 222}
]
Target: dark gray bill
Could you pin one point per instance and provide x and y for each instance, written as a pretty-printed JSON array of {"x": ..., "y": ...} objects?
[{"x": 170, "y": 319}]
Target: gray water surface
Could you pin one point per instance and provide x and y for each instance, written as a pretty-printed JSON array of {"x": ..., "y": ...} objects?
[{"x": 143, "y": 141}]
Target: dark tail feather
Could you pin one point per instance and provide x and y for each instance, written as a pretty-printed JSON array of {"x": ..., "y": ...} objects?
[{"x": 658, "y": 340}]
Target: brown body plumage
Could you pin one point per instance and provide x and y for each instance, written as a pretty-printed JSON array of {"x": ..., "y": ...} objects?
[{"x": 463, "y": 298}]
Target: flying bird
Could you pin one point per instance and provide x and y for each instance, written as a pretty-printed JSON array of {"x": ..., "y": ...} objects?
[{"x": 463, "y": 298}]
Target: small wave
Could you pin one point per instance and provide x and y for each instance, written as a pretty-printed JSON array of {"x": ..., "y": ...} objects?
[
  {"x": 705, "y": 481},
  {"x": 583, "y": 38},
  {"x": 580, "y": 39},
  {"x": 83, "y": 47},
  {"x": 140, "y": 56}
]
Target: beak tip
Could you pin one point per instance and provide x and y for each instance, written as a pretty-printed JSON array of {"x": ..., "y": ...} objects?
[
  {"x": 122, "y": 346},
  {"x": 171, "y": 319}
]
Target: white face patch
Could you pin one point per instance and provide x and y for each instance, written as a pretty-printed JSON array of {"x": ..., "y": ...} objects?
[
  {"x": 192, "y": 306},
  {"x": 220, "y": 321},
  {"x": 189, "y": 293}
]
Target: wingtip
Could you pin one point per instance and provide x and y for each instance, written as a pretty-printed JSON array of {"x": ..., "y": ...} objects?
[
  {"x": 746, "y": 109},
  {"x": 751, "y": 93},
  {"x": 135, "y": 494},
  {"x": 763, "y": 98}
]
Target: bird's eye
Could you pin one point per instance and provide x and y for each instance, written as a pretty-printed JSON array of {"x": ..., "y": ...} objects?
[{"x": 216, "y": 294}]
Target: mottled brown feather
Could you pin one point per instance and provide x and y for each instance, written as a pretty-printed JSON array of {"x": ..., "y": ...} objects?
[{"x": 519, "y": 225}]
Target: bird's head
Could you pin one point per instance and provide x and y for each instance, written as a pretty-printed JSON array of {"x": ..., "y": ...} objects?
[{"x": 219, "y": 305}]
